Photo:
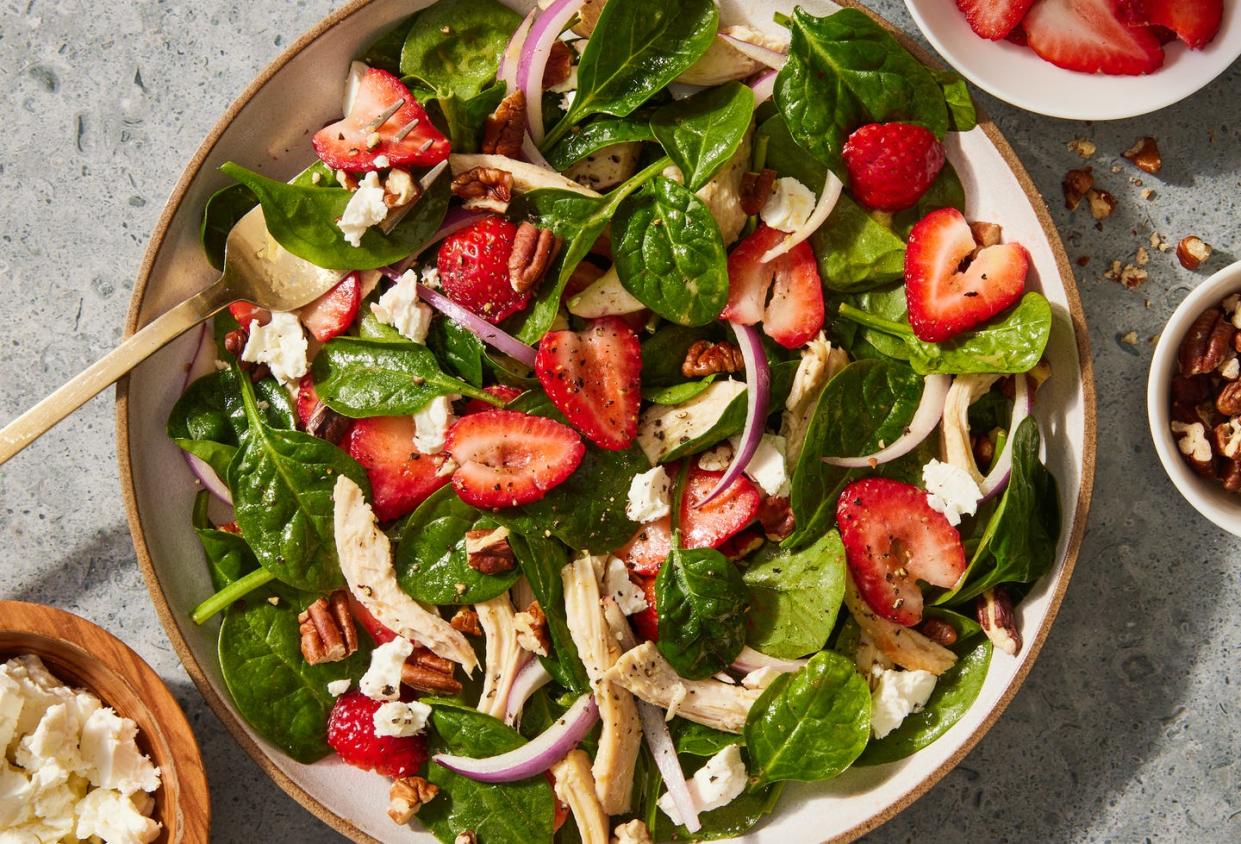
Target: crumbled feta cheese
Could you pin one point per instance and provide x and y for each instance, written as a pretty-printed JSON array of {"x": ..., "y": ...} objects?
[
  {"x": 716, "y": 459},
  {"x": 790, "y": 205},
  {"x": 1230, "y": 369},
  {"x": 715, "y": 784},
  {"x": 628, "y": 595},
  {"x": 767, "y": 467},
  {"x": 760, "y": 678},
  {"x": 566, "y": 100},
  {"x": 336, "y": 688},
  {"x": 401, "y": 720},
  {"x": 366, "y": 208},
  {"x": 113, "y": 817},
  {"x": 1193, "y": 440},
  {"x": 400, "y": 308},
  {"x": 633, "y": 832},
  {"x": 570, "y": 84},
  {"x": 108, "y": 747},
  {"x": 899, "y": 694},
  {"x": 430, "y": 276},
  {"x": 56, "y": 738},
  {"x": 382, "y": 680},
  {"x": 431, "y": 424},
  {"x": 649, "y": 496},
  {"x": 382, "y": 161},
  {"x": 15, "y": 796},
  {"x": 281, "y": 344},
  {"x": 950, "y": 490}
]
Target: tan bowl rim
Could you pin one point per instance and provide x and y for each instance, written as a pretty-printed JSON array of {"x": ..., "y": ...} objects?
[{"x": 233, "y": 725}]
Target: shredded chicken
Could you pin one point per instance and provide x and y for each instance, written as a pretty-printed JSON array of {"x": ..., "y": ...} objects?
[
  {"x": 645, "y": 673},
  {"x": 903, "y": 645},
  {"x": 819, "y": 364},
  {"x": 504, "y": 655},
  {"x": 723, "y": 62},
  {"x": 526, "y": 176},
  {"x": 608, "y": 167},
  {"x": 576, "y": 786},
  {"x": 722, "y": 195},
  {"x": 366, "y": 561},
  {"x": 954, "y": 434}
]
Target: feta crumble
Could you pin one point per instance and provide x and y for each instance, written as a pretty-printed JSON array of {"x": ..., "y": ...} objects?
[
  {"x": 431, "y": 424},
  {"x": 715, "y": 784},
  {"x": 950, "y": 490},
  {"x": 400, "y": 308},
  {"x": 790, "y": 205},
  {"x": 336, "y": 688},
  {"x": 366, "y": 208},
  {"x": 382, "y": 162},
  {"x": 898, "y": 695},
  {"x": 281, "y": 344},
  {"x": 382, "y": 680},
  {"x": 401, "y": 720},
  {"x": 767, "y": 467},
  {"x": 649, "y": 496},
  {"x": 628, "y": 595},
  {"x": 430, "y": 276}
]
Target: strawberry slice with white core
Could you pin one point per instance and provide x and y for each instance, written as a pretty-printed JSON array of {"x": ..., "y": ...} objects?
[
  {"x": 593, "y": 378},
  {"x": 945, "y": 300},
  {"x": 334, "y": 312},
  {"x": 994, "y": 19},
  {"x": 1193, "y": 21},
  {"x": 1090, "y": 36},
  {"x": 506, "y": 459},
  {"x": 504, "y": 392},
  {"x": 401, "y": 478},
  {"x": 307, "y": 399},
  {"x": 785, "y": 295},
  {"x": 385, "y": 121}
]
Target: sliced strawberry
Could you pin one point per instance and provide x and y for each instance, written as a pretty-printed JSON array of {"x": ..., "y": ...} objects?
[
  {"x": 891, "y": 165},
  {"x": 307, "y": 399},
  {"x": 354, "y": 143},
  {"x": 945, "y": 300},
  {"x": 1018, "y": 36},
  {"x": 712, "y": 524},
  {"x": 351, "y": 733},
  {"x": 334, "y": 312},
  {"x": 785, "y": 295},
  {"x": 1090, "y": 36},
  {"x": 505, "y": 458},
  {"x": 593, "y": 377},
  {"x": 1193, "y": 21},
  {"x": 246, "y": 313},
  {"x": 646, "y": 622},
  {"x": 647, "y": 549},
  {"x": 994, "y": 19},
  {"x": 893, "y": 539},
  {"x": 379, "y": 633},
  {"x": 473, "y": 268},
  {"x": 401, "y": 478},
  {"x": 500, "y": 391}
]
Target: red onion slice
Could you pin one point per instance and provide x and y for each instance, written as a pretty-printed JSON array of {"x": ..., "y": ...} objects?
[
  {"x": 758, "y": 395},
  {"x": 511, "y": 57},
  {"x": 750, "y": 660},
  {"x": 202, "y": 364},
  {"x": 455, "y": 220},
  {"x": 531, "y": 152},
  {"x": 534, "y": 757},
  {"x": 208, "y": 478},
  {"x": 763, "y": 55},
  {"x": 822, "y": 210},
  {"x": 764, "y": 87},
  {"x": 930, "y": 411},
  {"x": 997, "y": 478},
  {"x": 530, "y": 678},
  {"x": 479, "y": 327},
  {"x": 664, "y": 752},
  {"x": 534, "y": 55}
]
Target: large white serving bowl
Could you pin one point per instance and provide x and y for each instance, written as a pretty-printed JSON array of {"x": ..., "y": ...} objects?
[{"x": 268, "y": 129}]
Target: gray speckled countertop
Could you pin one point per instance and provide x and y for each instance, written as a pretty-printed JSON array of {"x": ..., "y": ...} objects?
[{"x": 1129, "y": 727}]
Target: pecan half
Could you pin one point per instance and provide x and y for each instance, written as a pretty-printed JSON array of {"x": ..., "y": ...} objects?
[
  {"x": 776, "y": 517},
  {"x": 995, "y": 614},
  {"x": 707, "y": 358},
  {"x": 465, "y": 620},
  {"x": 756, "y": 189},
  {"x": 531, "y": 627},
  {"x": 407, "y": 795},
  {"x": 327, "y": 629},
  {"x": 504, "y": 129},
  {"x": 1228, "y": 402},
  {"x": 1193, "y": 252},
  {"x": 426, "y": 679},
  {"x": 1231, "y": 476},
  {"x": 327, "y": 424},
  {"x": 1190, "y": 390},
  {"x": 1145, "y": 155},
  {"x": 488, "y": 187},
  {"x": 531, "y": 256},
  {"x": 559, "y": 65},
  {"x": 1206, "y": 343},
  {"x": 488, "y": 551},
  {"x": 1075, "y": 184},
  {"x": 939, "y": 631}
]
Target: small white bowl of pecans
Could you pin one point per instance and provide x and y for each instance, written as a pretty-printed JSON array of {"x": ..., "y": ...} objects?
[{"x": 1193, "y": 398}]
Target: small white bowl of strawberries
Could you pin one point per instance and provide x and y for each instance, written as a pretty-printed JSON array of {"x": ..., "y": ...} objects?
[{"x": 1084, "y": 59}]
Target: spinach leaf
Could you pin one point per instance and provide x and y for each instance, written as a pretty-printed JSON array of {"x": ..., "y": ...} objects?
[
  {"x": 458, "y": 348},
  {"x": 888, "y": 303},
  {"x": 360, "y": 378},
  {"x": 280, "y": 695},
  {"x": 455, "y": 45},
  {"x": 282, "y": 496},
  {"x": 670, "y": 254},
  {"x": 701, "y": 601},
  {"x": 962, "y": 116},
  {"x": 677, "y": 393},
  {"x": 303, "y": 220},
  {"x": 636, "y": 49},
  {"x": 703, "y": 131},
  {"x": 955, "y": 692},
  {"x": 222, "y": 211},
  {"x": 431, "y": 563},
  {"x": 462, "y": 119},
  {"x": 385, "y": 51},
  {"x": 541, "y": 560},
  {"x": 595, "y": 136},
  {"x": 945, "y": 192},
  {"x": 867, "y": 402},
  {"x": 855, "y": 251},
  {"x": 845, "y": 70},
  {"x": 228, "y": 556},
  {"x": 730, "y": 820},
  {"x": 697, "y": 740},
  {"x": 811, "y": 725},
  {"x": 795, "y": 596},
  {"x": 785, "y": 155}
]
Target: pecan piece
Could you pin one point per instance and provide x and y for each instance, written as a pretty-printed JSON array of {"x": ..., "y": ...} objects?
[
  {"x": 1102, "y": 203},
  {"x": 1228, "y": 438},
  {"x": 1207, "y": 341},
  {"x": 1145, "y": 155},
  {"x": 426, "y": 679},
  {"x": 756, "y": 189},
  {"x": 743, "y": 544},
  {"x": 995, "y": 614},
  {"x": 407, "y": 795},
  {"x": 707, "y": 358},
  {"x": 776, "y": 517},
  {"x": 531, "y": 627},
  {"x": 1228, "y": 402},
  {"x": 939, "y": 631},
  {"x": 327, "y": 424},
  {"x": 488, "y": 187},
  {"x": 487, "y": 550},
  {"x": 504, "y": 129},
  {"x": 1075, "y": 185},
  {"x": 465, "y": 620},
  {"x": 985, "y": 234},
  {"x": 1231, "y": 476},
  {"x": 531, "y": 256},
  {"x": 1193, "y": 252},
  {"x": 559, "y": 65},
  {"x": 1194, "y": 446},
  {"x": 1190, "y": 390},
  {"x": 327, "y": 630}
]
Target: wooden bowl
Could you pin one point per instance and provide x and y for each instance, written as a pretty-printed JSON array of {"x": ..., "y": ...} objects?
[{"x": 86, "y": 656}]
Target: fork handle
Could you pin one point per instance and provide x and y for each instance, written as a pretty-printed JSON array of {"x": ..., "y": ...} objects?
[{"x": 35, "y": 422}]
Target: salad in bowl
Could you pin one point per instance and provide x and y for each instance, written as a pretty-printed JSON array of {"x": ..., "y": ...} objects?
[{"x": 666, "y": 439}]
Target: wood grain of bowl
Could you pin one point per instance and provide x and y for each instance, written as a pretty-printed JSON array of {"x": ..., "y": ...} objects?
[{"x": 84, "y": 655}]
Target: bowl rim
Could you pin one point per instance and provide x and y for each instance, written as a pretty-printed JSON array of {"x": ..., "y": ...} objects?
[
  {"x": 217, "y": 704},
  {"x": 1220, "y": 507}
]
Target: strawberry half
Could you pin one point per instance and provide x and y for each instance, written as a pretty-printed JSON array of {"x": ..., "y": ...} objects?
[
  {"x": 647, "y": 549},
  {"x": 506, "y": 459},
  {"x": 646, "y": 622},
  {"x": 593, "y": 377},
  {"x": 892, "y": 164},
  {"x": 944, "y": 300},
  {"x": 1193, "y": 21},
  {"x": 1090, "y": 36},
  {"x": 351, "y": 733},
  {"x": 994, "y": 19},
  {"x": 501, "y": 391},
  {"x": 785, "y": 295},
  {"x": 892, "y": 540},
  {"x": 473, "y": 269},
  {"x": 307, "y": 399},
  {"x": 247, "y": 312},
  {"x": 354, "y": 143},
  {"x": 334, "y": 312},
  {"x": 378, "y": 632},
  {"x": 401, "y": 478}
]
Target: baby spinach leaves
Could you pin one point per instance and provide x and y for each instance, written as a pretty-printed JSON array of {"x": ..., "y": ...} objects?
[
  {"x": 595, "y": 136},
  {"x": 222, "y": 211},
  {"x": 701, "y": 600},
  {"x": 455, "y": 45},
  {"x": 795, "y": 596},
  {"x": 855, "y": 251},
  {"x": 670, "y": 255},
  {"x": 703, "y": 131},
  {"x": 811, "y": 725},
  {"x": 845, "y": 70},
  {"x": 359, "y": 378}
]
